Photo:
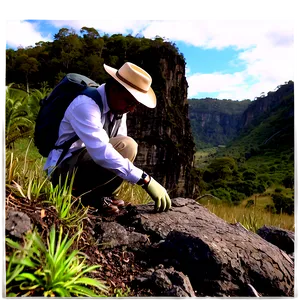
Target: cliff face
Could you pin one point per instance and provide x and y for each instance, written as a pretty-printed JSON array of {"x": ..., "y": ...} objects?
[
  {"x": 215, "y": 122},
  {"x": 166, "y": 147},
  {"x": 216, "y": 128},
  {"x": 265, "y": 104}
]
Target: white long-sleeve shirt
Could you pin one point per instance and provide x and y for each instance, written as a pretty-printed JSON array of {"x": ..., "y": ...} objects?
[{"x": 84, "y": 118}]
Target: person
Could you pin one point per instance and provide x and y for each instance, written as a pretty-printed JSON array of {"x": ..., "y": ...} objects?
[{"x": 100, "y": 162}]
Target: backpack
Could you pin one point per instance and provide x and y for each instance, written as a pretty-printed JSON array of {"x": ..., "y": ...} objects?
[{"x": 53, "y": 108}]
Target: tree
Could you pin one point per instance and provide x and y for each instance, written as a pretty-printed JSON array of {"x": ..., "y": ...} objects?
[
  {"x": 220, "y": 168},
  {"x": 288, "y": 181},
  {"x": 27, "y": 65},
  {"x": 249, "y": 175},
  {"x": 283, "y": 204},
  {"x": 68, "y": 47}
]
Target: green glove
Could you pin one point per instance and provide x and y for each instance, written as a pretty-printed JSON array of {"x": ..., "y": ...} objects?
[{"x": 159, "y": 194}]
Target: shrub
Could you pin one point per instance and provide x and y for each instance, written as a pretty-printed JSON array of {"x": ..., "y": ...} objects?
[
  {"x": 270, "y": 208},
  {"x": 283, "y": 204},
  {"x": 236, "y": 197},
  {"x": 249, "y": 175},
  {"x": 222, "y": 194},
  {"x": 264, "y": 179},
  {"x": 249, "y": 203},
  {"x": 288, "y": 181}
]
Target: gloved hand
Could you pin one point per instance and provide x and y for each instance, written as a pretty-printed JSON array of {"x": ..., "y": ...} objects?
[{"x": 159, "y": 194}]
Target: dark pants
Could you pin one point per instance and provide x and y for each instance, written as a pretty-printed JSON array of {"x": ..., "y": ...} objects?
[{"x": 91, "y": 181}]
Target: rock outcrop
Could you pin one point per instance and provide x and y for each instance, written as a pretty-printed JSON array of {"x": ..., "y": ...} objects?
[
  {"x": 166, "y": 147},
  {"x": 265, "y": 104},
  {"x": 188, "y": 251},
  {"x": 220, "y": 259}
]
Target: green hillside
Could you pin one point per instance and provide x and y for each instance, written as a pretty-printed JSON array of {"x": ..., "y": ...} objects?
[{"x": 260, "y": 160}]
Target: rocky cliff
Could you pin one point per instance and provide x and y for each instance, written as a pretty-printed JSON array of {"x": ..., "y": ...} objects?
[
  {"x": 265, "y": 104},
  {"x": 218, "y": 128},
  {"x": 216, "y": 122},
  {"x": 166, "y": 147}
]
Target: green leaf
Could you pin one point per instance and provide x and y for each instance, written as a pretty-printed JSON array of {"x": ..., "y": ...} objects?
[
  {"x": 62, "y": 292},
  {"x": 13, "y": 244},
  {"x": 78, "y": 290},
  {"x": 25, "y": 287},
  {"x": 27, "y": 262},
  {"x": 52, "y": 241},
  {"x": 92, "y": 282},
  {"x": 29, "y": 276}
]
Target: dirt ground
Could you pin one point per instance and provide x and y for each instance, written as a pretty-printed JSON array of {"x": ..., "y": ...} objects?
[{"x": 119, "y": 266}]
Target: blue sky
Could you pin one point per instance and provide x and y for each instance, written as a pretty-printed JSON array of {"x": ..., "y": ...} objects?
[{"x": 227, "y": 58}]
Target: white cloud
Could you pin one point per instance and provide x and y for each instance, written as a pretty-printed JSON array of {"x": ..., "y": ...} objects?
[
  {"x": 266, "y": 68},
  {"x": 268, "y": 50},
  {"x": 22, "y": 33},
  {"x": 201, "y": 33},
  {"x": 187, "y": 70},
  {"x": 268, "y": 53},
  {"x": 107, "y": 26},
  {"x": 219, "y": 34}
]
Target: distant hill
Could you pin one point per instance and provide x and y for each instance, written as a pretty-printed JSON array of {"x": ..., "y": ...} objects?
[
  {"x": 267, "y": 126},
  {"x": 220, "y": 122},
  {"x": 215, "y": 122},
  {"x": 258, "y": 152}
]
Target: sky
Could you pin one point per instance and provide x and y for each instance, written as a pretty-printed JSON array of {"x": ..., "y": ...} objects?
[{"x": 226, "y": 57}]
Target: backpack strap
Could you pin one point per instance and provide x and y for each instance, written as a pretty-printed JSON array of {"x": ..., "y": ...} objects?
[{"x": 66, "y": 146}]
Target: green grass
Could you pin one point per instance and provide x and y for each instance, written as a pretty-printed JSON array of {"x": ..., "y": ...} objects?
[
  {"x": 202, "y": 156},
  {"x": 25, "y": 148},
  {"x": 252, "y": 218},
  {"x": 261, "y": 200},
  {"x": 28, "y": 158}
]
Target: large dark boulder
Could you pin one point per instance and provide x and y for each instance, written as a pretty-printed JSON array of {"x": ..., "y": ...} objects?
[
  {"x": 283, "y": 239},
  {"x": 220, "y": 259}
]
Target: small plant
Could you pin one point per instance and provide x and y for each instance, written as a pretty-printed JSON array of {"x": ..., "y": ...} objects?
[
  {"x": 24, "y": 178},
  {"x": 250, "y": 221},
  {"x": 121, "y": 292},
  {"x": 69, "y": 209},
  {"x": 36, "y": 269}
]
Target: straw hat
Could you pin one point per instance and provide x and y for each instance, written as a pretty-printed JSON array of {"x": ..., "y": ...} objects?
[{"x": 136, "y": 81}]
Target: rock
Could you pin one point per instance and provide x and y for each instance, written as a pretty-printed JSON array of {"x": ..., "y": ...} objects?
[
  {"x": 283, "y": 239},
  {"x": 115, "y": 235},
  {"x": 220, "y": 259},
  {"x": 17, "y": 223},
  {"x": 167, "y": 282}
]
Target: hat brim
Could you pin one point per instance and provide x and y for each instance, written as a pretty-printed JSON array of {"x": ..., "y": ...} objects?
[{"x": 148, "y": 99}]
